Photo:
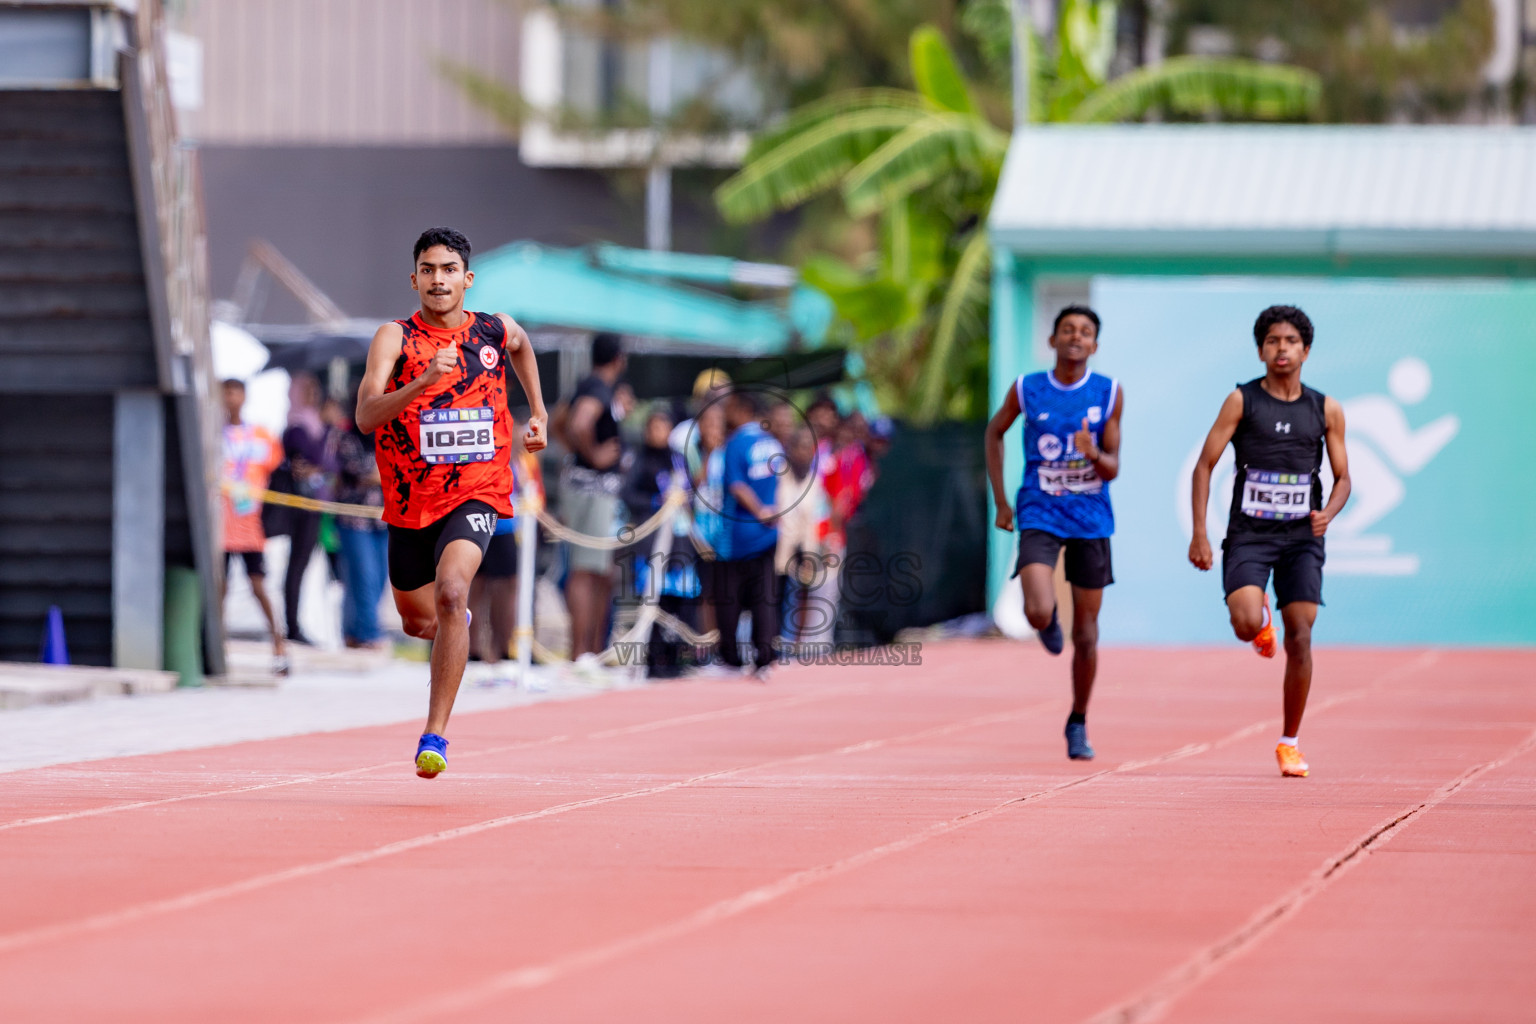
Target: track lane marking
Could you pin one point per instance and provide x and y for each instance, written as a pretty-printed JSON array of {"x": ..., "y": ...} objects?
[
  {"x": 530, "y": 977},
  {"x": 1152, "y": 1002},
  {"x": 32, "y": 937},
  {"x": 736, "y": 711}
]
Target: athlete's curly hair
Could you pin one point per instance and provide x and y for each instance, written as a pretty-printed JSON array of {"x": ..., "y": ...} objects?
[
  {"x": 444, "y": 237},
  {"x": 1077, "y": 310},
  {"x": 1283, "y": 315}
]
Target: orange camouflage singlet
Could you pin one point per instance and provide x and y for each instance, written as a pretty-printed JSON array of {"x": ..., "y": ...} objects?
[{"x": 454, "y": 443}]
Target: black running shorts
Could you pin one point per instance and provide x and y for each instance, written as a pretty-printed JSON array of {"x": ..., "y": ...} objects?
[
  {"x": 1297, "y": 562},
  {"x": 414, "y": 554},
  {"x": 1088, "y": 561},
  {"x": 255, "y": 562},
  {"x": 500, "y": 559}
]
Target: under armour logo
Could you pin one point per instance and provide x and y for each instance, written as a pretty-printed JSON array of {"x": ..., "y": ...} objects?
[
  {"x": 481, "y": 522},
  {"x": 1282, "y": 428}
]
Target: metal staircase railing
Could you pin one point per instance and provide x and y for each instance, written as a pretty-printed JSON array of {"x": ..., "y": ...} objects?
[{"x": 167, "y": 186}]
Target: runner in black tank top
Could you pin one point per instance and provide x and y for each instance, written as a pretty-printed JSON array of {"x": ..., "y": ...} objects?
[{"x": 1278, "y": 428}]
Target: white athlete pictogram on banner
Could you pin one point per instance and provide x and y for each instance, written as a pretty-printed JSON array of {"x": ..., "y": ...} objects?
[{"x": 1383, "y": 448}]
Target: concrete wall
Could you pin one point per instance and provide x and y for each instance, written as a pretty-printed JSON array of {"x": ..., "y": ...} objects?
[{"x": 347, "y": 71}]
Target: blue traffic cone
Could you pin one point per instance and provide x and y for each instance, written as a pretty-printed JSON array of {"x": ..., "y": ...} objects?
[{"x": 54, "y": 650}]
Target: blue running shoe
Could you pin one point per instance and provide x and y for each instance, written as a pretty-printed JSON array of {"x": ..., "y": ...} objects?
[
  {"x": 1051, "y": 636},
  {"x": 1077, "y": 742},
  {"x": 431, "y": 755}
]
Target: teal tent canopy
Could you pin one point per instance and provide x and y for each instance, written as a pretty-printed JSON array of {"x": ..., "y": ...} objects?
[{"x": 633, "y": 292}]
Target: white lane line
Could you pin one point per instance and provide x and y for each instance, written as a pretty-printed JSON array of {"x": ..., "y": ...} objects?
[
  {"x": 1154, "y": 1001},
  {"x": 100, "y": 922},
  {"x": 537, "y": 975},
  {"x": 542, "y": 974},
  {"x": 664, "y": 723}
]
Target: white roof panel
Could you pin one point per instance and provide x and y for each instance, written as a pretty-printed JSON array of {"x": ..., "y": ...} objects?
[{"x": 1165, "y": 187}]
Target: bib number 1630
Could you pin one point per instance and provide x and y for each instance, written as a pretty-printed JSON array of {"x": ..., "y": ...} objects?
[{"x": 457, "y": 435}]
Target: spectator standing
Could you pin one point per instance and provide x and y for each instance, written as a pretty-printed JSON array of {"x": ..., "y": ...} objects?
[
  {"x": 747, "y": 578},
  {"x": 824, "y": 419},
  {"x": 306, "y": 448},
  {"x": 251, "y": 453},
  {"x": 847, "y": 475},
  {"x": 709, "y": 388},
  {"x": 655, "y": 469},
  {"x": 336, "y": 424},
  {"x": 364, "y": 541},
  {"x": 783, "y": 421},
  {"x": 807, "y": 581},
  {"x": 591, "y": 494},
  {"x": 493, "y": 592},
  {"x": 707, "y": 471},
  {"x": 881, "y": 431}
]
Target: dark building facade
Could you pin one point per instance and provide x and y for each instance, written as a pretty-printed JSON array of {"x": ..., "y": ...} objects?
[{"x": 104, "y": 455}]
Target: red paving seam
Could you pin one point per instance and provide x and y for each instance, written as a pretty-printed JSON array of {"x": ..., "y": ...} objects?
[
  {"x": 1393, "y": 943},
  {"x": 1155, "y": 1002},
  {"x": 755, "y": 881}
]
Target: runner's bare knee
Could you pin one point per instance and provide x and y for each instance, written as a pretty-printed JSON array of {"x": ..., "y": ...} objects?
[
  {"x": 1246, "y": 624},
  {"x": 1298, "y": 639},
  {"x": 452, "y": 597}
]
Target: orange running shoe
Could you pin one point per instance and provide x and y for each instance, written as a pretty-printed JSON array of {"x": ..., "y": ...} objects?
[
  {"x": 1266, "y": 642},
  {"x": 1292, "y": 762}
]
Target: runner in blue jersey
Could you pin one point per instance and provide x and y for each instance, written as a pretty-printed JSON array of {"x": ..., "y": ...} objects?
[{"x": 1071, "y": 453}]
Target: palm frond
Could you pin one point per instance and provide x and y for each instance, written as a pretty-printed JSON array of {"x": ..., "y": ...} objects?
[
  {"x": 896, "y": 241},
  {"x": 967, "y": 296},
  {"x": 921, "y": 154},
  {"x": 1229, "y": 86},
  {"x": 814, "y": 113},
  {"x": 810, "y": 162},
  {"x": 870, "y": 305},
  {"x": 937, "y": 75}
]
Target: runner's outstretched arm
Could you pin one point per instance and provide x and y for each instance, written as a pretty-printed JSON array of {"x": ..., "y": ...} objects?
[
  {"x": 1200, "y": 482},
  {"x": 997, "y": 426},
  {"x": 1338, "y": 461},
  {"x": 374, "y": 407},
  {"x": 526, "y": 366}
]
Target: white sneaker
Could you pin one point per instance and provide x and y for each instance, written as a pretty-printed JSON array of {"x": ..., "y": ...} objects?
[{"x": 496, "y": 674}]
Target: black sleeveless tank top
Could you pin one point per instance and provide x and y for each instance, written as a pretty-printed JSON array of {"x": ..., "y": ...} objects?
[{"x": 1279, "y": 447}]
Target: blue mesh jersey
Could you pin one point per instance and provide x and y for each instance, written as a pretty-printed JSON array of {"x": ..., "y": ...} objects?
[{"x": 1061, "y": 494}]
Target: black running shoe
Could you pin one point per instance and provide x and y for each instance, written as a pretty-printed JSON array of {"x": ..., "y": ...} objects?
[
  {"x": 1077, "y": 742},
  {"x": 1051, "y": 635}
]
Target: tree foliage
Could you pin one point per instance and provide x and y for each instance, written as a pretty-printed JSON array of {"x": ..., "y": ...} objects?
[
  {"x": 926, "y": 163},
  {"x": 1424, "y": 64}
]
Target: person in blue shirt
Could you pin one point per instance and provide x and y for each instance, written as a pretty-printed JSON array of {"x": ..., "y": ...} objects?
[
  {"x": 1071, "y": 453},
  {"x": 752, "y": 465}
]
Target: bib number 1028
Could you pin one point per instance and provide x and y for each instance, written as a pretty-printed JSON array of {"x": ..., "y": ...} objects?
[{"x": 457, "y": 435}]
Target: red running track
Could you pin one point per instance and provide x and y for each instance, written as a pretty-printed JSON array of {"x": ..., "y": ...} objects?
[{"x": 857, "y": 844}]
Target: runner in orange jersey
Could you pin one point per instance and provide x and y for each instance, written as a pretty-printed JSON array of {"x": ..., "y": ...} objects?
[{"x": 435, "y": 396}]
